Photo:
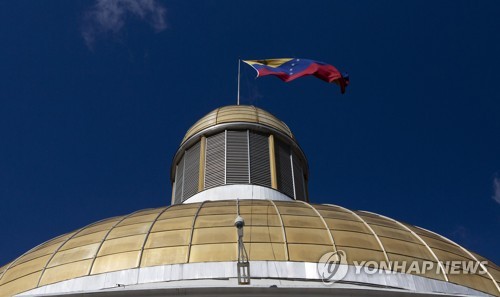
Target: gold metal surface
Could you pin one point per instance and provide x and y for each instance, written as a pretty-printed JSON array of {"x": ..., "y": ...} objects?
[
  {"x": 36, "y": 254},
  {"x": 448, "y": 256},
  {"x": 401, "y": 259},
  {"x": 355, "y": 239},
  {"x": 216, "y": 220},
  {"x": 474, "y": 281},
  {"x": 116, "y": 262},
  {"x": 128, "y": 230},
  {"x": 105, "y": 226},
  {"x": 257, "y": 209},
  {"x": 308, "y": 252},
  {"x": 275, "y": 231},
  {"x": 361, "y": 254},
  {"x": 333, "y": 214},
  {"x": 369, "y": 228},
  {"x": 492, "y": 268},
  {"x": 343, "y": 225},
  {"x": 20, "y": 285},
  {"x": 238, "y": 113},
  {"x": 74, "y": 254},
  {"x": 168, "y": 238},
  {"x": 66, "y": 271},
  {"x": 438, "y": 244},
  {"x": 174, "y": 212},
  {"x": 214, "y": 235},
  {"x": 201, "y": 176},
  {"x": 59, "y": 239},
  {"x": 259, "y": 251},
  {"x": 263, "y": 220},
  {"x": 218, "y": 210},
  {"x": 439, "y": 272},
  {"x": 401, "y": 247},
  {"x": 374, "y": 220},
  {"x": 394, "y": 233},
  {"x": 137, "y": 219},
  {"x": 302, "y": 221},
  {"x": 146, "y": 212},
  {"x": 123, "y": 244},
  {"x": 173, "y": 224},
  {"x": 213, "y": 252},
  {"x": 263, "y": 234},
  {"x": 301, "y": 211},
  {"x": 272, "y": 163},
  {"x": 163, "y": 256},
  {"x": 307, "y": 235},
  {"x": 84, "y": 240},
  {"x": 323, "y": 223},
  {"x": 25, "y": 268}
]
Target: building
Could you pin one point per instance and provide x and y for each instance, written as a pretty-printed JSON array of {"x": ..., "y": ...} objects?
[{"x": 241, "y": 223}]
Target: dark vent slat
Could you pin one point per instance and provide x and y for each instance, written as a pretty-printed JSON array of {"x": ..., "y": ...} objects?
[
  {"x": 237, "y": 157},
  {"x": 260, "y": 171},
  {"x": 298, "y": 175},
  {"x": 215, "y": 160},
  {"x": 191, "y": 171},
  {"x": 179, "y": 177},
  {"x": 284, "y": 168}
]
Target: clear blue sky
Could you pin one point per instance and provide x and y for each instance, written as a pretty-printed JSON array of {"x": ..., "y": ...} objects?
[{"x": 92, "y": 109}]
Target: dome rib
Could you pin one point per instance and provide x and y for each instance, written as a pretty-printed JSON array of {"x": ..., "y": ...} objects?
[
  {"x": 192, "y": 231},
  {"x": 402, "y": 254},
  {"x": 73, "y": 234},
  {"x": 60, "y": 246},
  {"x": 324, "y": 223},
  {"x": 469, "y": 253},
  {"x": 106, "y": 236},
  {"x": 11, "y": 264},
  {"x": 371, "y": 230},
  {"x": 287, "y": 253},
  {"x": 149, "y": 232},
  {"x": 420, "y": 239}
]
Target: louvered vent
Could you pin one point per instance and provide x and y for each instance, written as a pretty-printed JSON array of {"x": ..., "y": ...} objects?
[
  {"x": 284, "y": 168},
  {"x": 298, "y": 177},
  {"x": 260, "y": 172},
  {"x": 179, "y": 177},
  {"x": 237, "y": 157},
  {"x": 191, "y": 171},
  {"x": 215, "y": 160}
]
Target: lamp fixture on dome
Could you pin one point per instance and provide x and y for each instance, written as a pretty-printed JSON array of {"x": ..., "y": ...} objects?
[{"x": 243, "y": 264}]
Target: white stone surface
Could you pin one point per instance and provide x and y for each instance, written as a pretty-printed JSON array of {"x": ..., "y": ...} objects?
[{"x": 233, "y": 192}]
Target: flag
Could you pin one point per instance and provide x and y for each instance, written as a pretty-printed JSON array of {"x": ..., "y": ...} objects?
[{"x": 288, "y": 69}]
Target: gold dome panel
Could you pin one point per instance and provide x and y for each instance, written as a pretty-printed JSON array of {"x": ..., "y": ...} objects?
[
  {"x": 238, "y": 113},
  {"x": 204, "y": 232}
]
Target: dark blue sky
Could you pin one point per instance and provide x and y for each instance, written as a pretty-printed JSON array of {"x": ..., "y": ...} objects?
[{"x": 89, "y": 126}]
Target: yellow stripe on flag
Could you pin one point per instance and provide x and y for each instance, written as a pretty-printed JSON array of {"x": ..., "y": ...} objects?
[{"x": 268, "y": 62}]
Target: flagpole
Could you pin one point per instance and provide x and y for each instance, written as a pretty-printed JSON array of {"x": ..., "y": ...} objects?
[{"x": 239, "y": 66}]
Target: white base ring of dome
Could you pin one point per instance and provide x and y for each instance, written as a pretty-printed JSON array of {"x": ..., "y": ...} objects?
[{"x": 224, "y": 274}]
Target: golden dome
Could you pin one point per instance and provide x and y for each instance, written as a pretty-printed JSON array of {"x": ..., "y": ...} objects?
[
  {"x": 238, "y": 113},
  {"x": 291, "y": 231}
]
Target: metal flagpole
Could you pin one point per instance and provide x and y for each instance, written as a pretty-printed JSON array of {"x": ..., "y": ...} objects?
[{"x": 239, "y": 66}]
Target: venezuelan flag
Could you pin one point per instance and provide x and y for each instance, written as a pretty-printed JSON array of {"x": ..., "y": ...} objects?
[{"x": 288, "y": 69}]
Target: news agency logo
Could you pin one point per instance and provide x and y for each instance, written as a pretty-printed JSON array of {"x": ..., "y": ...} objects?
[{"x": 332, "y": 267}]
